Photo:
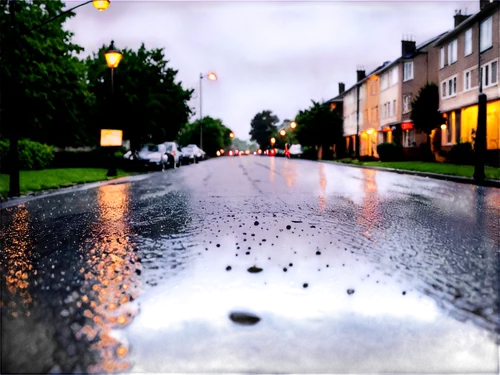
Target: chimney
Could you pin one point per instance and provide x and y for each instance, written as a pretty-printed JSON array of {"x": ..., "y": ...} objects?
[
  {"x": 360, "y": 73},
  {"x": 341, "y": 88},
  {"x": 459, "y": 17},
  {"x": 483, "y": 3},
  {"x": 408, "y": 47}
]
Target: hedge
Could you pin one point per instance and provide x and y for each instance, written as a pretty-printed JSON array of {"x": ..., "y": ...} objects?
[{"x": 32, "y": 155}]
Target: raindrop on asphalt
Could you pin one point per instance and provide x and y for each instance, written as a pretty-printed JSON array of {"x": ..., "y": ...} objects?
[
  {"x": 255, "y": 269},
  {"x": 244, "y": 318}
]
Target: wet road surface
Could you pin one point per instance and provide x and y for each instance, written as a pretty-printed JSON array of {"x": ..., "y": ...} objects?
[{"x": 254, "y": 264}]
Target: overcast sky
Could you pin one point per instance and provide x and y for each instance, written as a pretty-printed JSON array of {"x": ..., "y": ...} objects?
[{"x": 267, "y": 55}]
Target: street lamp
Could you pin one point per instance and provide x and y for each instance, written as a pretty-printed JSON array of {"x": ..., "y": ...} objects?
[
  {"x": 273, "y": 141},
  {"x": 14, "y": 183},
  {"x": 293, "y": 124},
  {"x": 113, "y": 57},
  {"x": 231, "y": 135},
  {"x": 282, "y": 132},
  {"x": 212, "y": 77}
]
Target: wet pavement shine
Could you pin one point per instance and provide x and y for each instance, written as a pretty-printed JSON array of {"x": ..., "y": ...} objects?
[{"x": 253, "y": 264}]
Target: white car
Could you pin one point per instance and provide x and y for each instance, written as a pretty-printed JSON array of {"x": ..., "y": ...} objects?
[
  {"x": 192, "y": 154},
  {"x": 296, "y": 150}
]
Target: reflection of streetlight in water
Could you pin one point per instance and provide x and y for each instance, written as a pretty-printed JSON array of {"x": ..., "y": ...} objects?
[
  {"x": 110, "y": 279},
  {"x": 322, "y": 185},
  {"x": 17, "y": 252}
]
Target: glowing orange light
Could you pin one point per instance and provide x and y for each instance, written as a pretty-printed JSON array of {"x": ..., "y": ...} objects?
[
  {"x": 101, "y": 5},
  {"x": 218, "y": 153},
  {"x": 443, "y": 127},
  {"x": 121, "y": 351},
  {"x": 259, "y": 151},
  {"x": 283, "y": 132},
  {"x": 231, "y": 135},
  {"x": 293, "y": 124},
  {"x": 273, "y": 141},
  {"x": 230, "y": 153},
  {"x": 113, "y": 56},
  {"x": 212, "y": 76},
  {"x": 369, "y": 131}
]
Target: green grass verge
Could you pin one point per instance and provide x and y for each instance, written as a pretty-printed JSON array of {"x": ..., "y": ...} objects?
[
  {"x": 420, "y": 166},
  {"x": 53, "y": 178}
]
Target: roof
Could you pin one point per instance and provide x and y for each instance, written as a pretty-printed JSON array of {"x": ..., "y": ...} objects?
[
  {"x": 388, "y": 64},
  {"x": 472, "y": 20}
]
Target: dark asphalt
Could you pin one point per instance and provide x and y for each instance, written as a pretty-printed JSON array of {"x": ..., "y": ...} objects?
[{"x": 327, "y": 268}]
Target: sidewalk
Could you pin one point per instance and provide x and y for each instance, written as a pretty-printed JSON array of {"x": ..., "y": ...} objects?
[
  {"x": 6, "y": 202},
  {"x": 460, "y": 179}
]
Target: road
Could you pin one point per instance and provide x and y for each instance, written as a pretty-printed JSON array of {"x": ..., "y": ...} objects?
[{"x": 347, "y": 270}]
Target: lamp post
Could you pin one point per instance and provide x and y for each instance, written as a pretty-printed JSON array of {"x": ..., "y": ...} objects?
[
  {"x": 212, "y": 77},
  {"x": 480, "y": 141},
  {"x": 113, "y": 57},
  {"x": 273, "y": 141},
  {"x": 14, "y": 183}
]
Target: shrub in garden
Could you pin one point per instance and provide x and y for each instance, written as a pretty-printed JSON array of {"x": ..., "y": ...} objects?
[
  {"x": 461, "y": 153},
  {"x": 390, "y": 152},
  {"x": 32, "y": 155}
]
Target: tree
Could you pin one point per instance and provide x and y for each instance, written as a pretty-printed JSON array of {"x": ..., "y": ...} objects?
[
  {"x": 215, "y": 135},
  {"x": 318, "y": 126},
  {"x": 148, "y": 104},
  {"x": 425, "y": 109},
  {"x": 263, "y": 127},
  {"x": 52, "y": 96}
]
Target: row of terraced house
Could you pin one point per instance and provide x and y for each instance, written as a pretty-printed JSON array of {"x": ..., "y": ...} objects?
[{"x": 379, "y": 104}]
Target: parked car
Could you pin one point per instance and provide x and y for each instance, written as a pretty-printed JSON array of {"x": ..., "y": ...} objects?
[
  {"x": 192, "y": 154},
  {"x": 173, "y": 154},
  {"x": 296, "y": 151},
  {"x": 150, "y": 155}
]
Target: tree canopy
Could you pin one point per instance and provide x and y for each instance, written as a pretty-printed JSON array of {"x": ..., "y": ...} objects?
[
  {"x": 215, "y": 135},
  {"x": 425, "y": 109},
  {"x": 148, "y": 103},
  {"x": 51, "y": 98},
  {"x": 319, "y": 126},
  {"x": 263, "y": 127}
]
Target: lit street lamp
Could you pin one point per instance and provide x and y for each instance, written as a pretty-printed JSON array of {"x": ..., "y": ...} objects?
[
  {"x": 212, "y": 77},
  {"x": 273, "y": 141},
  {"x": 113, "y": 57},
  {"x": 282, "y": 132},
  {"x": 231, "y": 135},
  {"x": 14, "y": 183},
  {"x": 293, "y": 124}
]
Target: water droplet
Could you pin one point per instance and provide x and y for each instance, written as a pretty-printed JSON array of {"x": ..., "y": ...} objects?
[
  {"x": 244, "y": 318},
  {"x": 350, "y": 291},
  {"x": 254, "y": 269},
  {"x": 305, "y": 285},
  {"x": 256, "y": 223},
  {"x": 228, "y": 268},
  {"x": 288, "y": 227}
]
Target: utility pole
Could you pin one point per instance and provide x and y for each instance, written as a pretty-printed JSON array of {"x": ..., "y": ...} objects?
[
  {"x": 201, "y": 118},
  {"x": 480, "y": 141},
  {"x": 14, "y": 185},
  {"x": 357, "y": 123}
]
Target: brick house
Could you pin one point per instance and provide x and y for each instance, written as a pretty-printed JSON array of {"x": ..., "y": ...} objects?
[{"x": 458, "y": 76}]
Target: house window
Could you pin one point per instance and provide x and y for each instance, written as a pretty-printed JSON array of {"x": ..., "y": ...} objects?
[
  {"x": 384, "y": 81},
  {"x": 395, "y": 77},
  {"x": 449, "y": 87},
  {"x": 385, "y": 110},
  {"x": 409, "y": 138},
  {"x": 452, "y": 52},
  {"x": 406, "y": 103},
  {"x": 467, "y": 81},
  {"x": 408, "y": 71},
  {"x": 394, "y": 108},
  {"x": 468, "y": 42},
  {"x": 486, "y": 34},
  {"x": 442, "y": 58},
  {"x": 489, "y": 73}
]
